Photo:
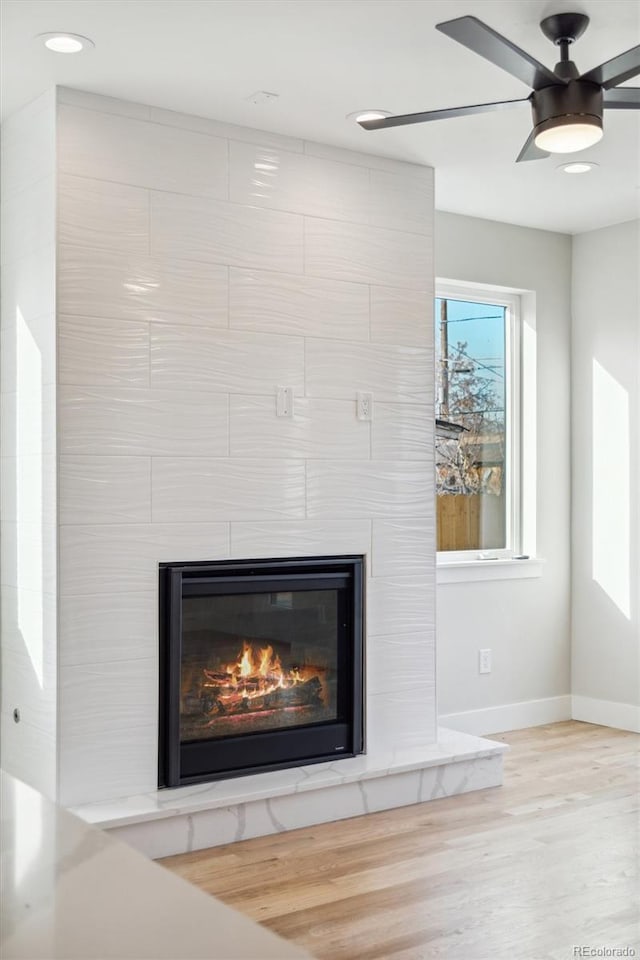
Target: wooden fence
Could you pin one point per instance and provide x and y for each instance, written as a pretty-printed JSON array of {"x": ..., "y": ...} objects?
[{"x": 470, "y": 521}]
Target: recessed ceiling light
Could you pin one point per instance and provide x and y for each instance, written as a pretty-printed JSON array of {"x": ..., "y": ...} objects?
[
  {"x": 578, "y": 166},
  {"x": 360, "y": 115},
  {"x": 65, "y": 42}
]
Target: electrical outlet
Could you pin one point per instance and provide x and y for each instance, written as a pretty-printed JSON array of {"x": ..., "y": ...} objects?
[
  {"x": 284, "y": 402},
  {"x": 364, "y": 405},
  {"x": 484, "y": 661}
]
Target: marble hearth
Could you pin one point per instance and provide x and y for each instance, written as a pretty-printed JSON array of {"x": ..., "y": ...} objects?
[{"x": 162, "y": 823}]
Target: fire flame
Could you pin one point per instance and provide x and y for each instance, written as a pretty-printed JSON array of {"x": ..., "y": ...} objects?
[{"x": 258, "y": 672}]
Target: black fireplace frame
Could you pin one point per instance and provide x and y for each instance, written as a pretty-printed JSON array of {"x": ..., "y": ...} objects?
[{"x": 208, "y": 760}]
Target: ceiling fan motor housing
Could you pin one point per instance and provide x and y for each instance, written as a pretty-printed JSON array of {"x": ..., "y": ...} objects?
[{"x": 576, "y": 101}]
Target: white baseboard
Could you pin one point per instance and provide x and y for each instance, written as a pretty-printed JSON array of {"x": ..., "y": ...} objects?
[
  {"x": 510, "y": 716},
  {"x": 607, "y": 713}
]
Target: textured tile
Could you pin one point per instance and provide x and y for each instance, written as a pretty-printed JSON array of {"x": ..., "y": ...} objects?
[
  {"x": 93, "y": 629},
  {"x": 407, "y": 716},
  {"x": 27, "y": 221},
  {"x": 129, "y": 420},
  {"x": 102, "y": 352},
  {"x": 370, "y": 160},
  {"x": 233, "y": 362},
  {"x": 104, "y": 489},
  {"x": 94, "y": 101},
  {"x": 267, "y": 177},
  {"x": 102, "y": 215},
  {"x": 225, "y": 233},
  {"x": 143, "y": 154},
  {"x": 231, "y": 131},
  {"x": 402, "y": 431},
  {"x": 107, "y": 283},
  {"x": 339, "y": 370},
  {"x": 101, "y": 697},
  {"x": 352, "y": 488},
  {"x": 402, "y": 316},
  {"x": 366, "y": 254},
  {"x": 107, "y": 763},
  {"x": 204, "y": 489},
  {"x": 28, "y": 145},
  {"x": 399, "y": 202},
  {"x": 123, "y": 558},
  {"x": 319, "y": 429},
  {"x": 401, "y": 605},
  {"x": 299, "y": 538},
  {"x": 303, "y": 306},
  {"x": 404, "y": 547},
  {"x": 399, "y": 663}
]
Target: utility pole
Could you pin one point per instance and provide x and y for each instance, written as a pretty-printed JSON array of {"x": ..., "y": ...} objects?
[{"x": 444, "y": 360}]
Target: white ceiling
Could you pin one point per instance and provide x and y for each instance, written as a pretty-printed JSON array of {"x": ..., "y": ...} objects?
[{"x": 326, "y": 58}]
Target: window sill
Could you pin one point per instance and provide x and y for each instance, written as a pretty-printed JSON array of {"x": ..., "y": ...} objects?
[{"x": 465, "y": 571}]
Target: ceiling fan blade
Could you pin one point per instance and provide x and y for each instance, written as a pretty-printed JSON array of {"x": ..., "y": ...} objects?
[
  {"x": 530, "y": 151},
  {"x": 446, "y": 114},
  {"x": 622, "y": 98},
  {"x": 617, "y": 70},
  {"x": 477, "y": 36}
]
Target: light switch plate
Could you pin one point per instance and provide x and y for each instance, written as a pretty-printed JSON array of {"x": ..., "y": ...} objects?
[{"x": 284, "y": 402}]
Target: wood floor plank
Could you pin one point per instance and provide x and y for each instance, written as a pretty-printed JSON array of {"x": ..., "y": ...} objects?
[{"x": 526, "y": 871}]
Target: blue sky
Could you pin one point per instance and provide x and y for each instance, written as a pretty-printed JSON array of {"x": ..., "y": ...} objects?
[{"x": 481, "y": 325}]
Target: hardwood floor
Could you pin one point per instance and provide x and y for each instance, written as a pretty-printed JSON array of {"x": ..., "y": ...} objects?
[{"x": 527, "y": 871}]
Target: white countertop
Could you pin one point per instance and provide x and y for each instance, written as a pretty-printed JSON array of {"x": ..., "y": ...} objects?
[{"x": 71, "y": 892}]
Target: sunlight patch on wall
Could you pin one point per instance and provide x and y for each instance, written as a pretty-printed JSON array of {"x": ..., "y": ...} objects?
[{"x": 611, "y": 489}]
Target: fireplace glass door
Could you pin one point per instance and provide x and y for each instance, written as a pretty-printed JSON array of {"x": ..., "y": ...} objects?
[{"x": 261, "y": 667}]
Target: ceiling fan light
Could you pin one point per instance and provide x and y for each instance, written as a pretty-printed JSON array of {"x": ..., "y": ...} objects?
[{"x": 568, "y": 135}]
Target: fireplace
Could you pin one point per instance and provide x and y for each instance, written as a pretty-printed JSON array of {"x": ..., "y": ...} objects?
[{"x": 261, "y": 665}]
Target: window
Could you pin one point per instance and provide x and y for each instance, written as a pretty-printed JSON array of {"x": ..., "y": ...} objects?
[{"x": 477, "y": 337}]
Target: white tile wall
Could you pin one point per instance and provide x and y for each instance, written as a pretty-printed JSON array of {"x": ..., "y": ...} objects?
[
  {"x": 317, "y": 429},
  {"x": 299, "y": 305},
  {"x": 220, "y": 232},
  {"x": 233, "y": 362},
  {"x": 402, "y": 432},
  {"x": 103, "y": 215},
  {"x": 108, "y": 283},
  {"x": 402, "y": 315},
  {"x": 390, "y": 372},
  {"x": 127, "y": 150},
  {"x": 105, "y": 489},
  {"x": 100, "y": 352},
  {"x": 360, "y": 488},
  {"x": 346, "y": 251},
  {"x": 204, "y": 489},
  {"x": 187, "y": 293},
  {"x": 264, "y": 177},
  {"x": 132, "y": 420}
]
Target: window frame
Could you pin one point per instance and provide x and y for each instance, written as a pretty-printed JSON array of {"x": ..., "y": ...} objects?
[{"x": 512, "y": 302}]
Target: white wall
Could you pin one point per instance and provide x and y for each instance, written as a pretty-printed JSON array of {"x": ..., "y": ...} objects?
[
  {"x": 525, "y": 622},
  {"x": 606, "y": 475},
  {"x": 200, "y": 266},
  {"x": 27, "y": 443}
]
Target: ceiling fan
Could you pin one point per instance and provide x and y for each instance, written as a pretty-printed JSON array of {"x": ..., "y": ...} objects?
[{"x": 567, "y": 107}]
